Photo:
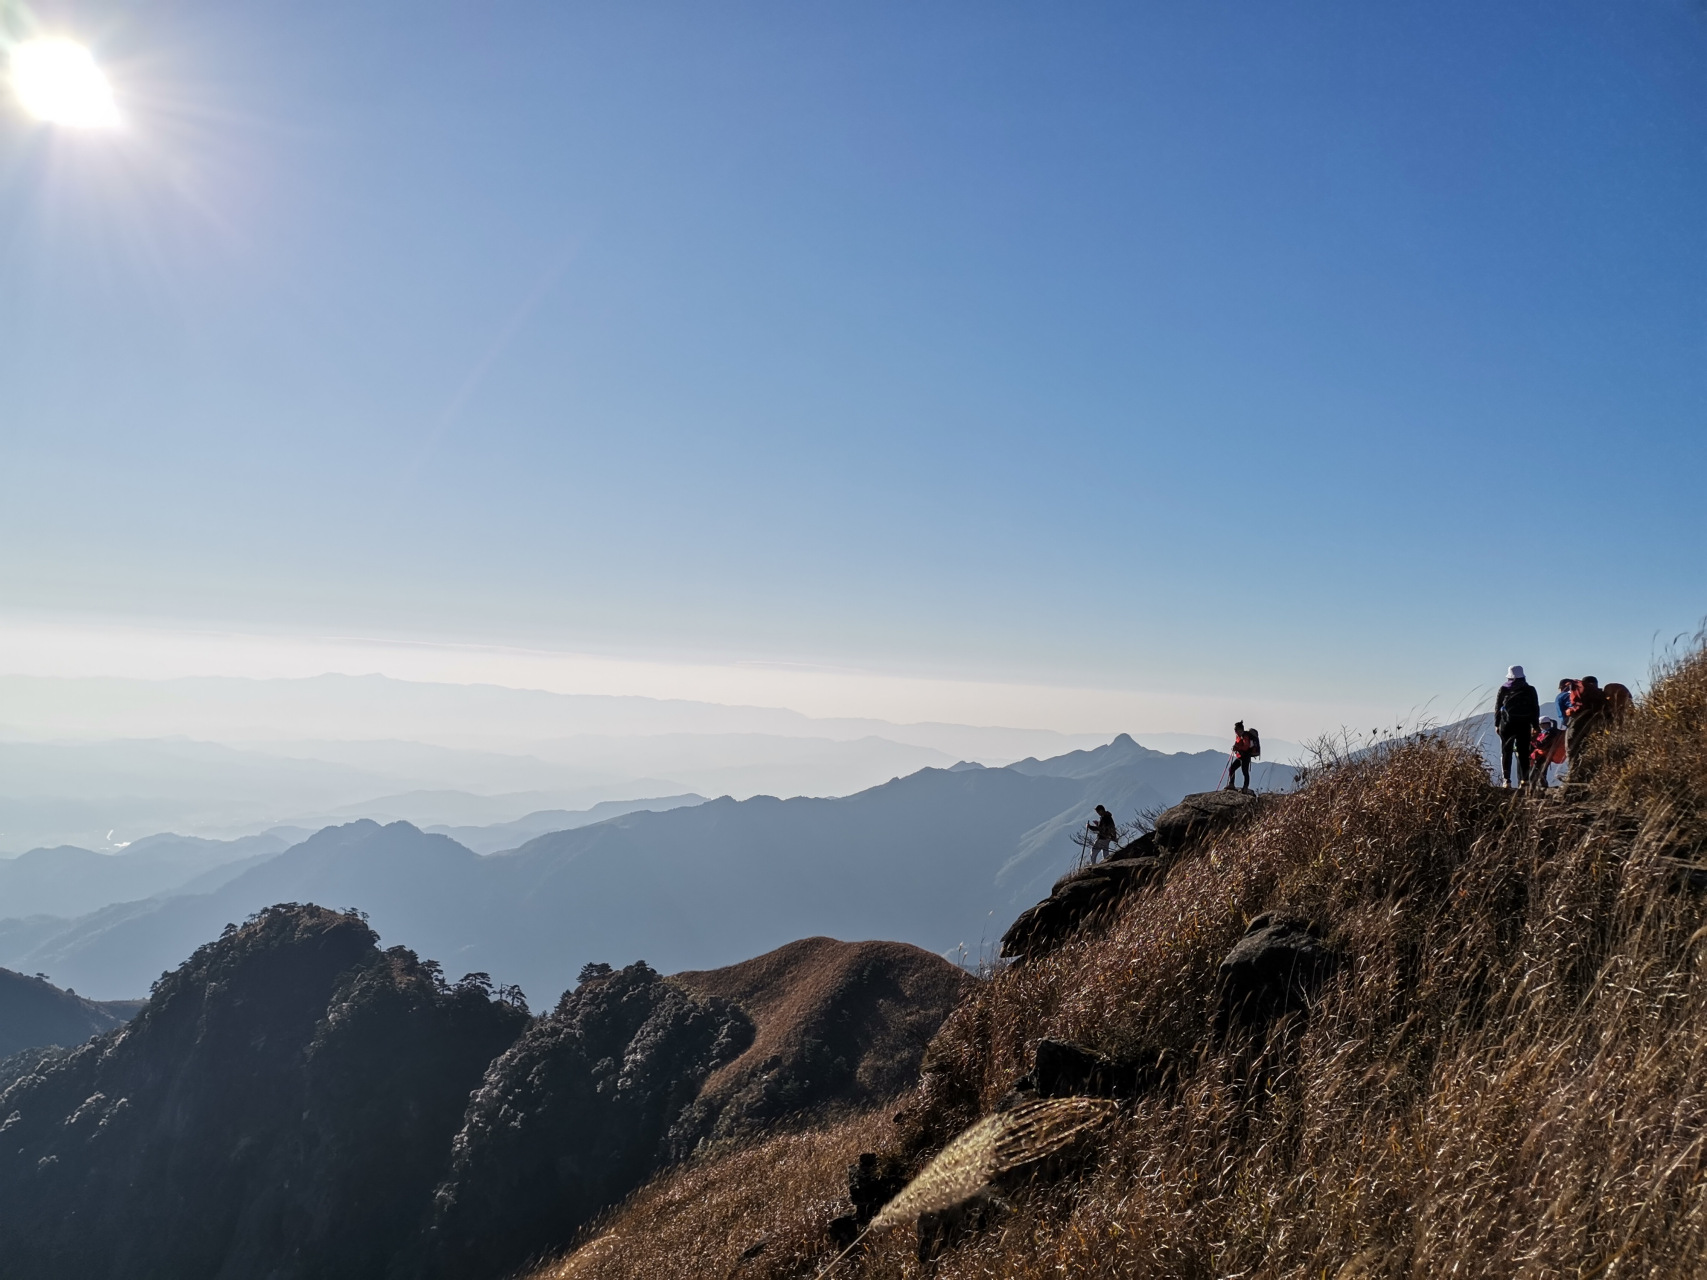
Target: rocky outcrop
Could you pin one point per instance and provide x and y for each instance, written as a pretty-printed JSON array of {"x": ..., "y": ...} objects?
[
  {"x": 1066, "y": 1069},
  {"x": 1088, "y": 894},
  {"x": 1196, "y": 816},
  {"x": 838, "y": 1024},
  {"x": 1274, "y": 969},
  {"x": 282, "y": 1107},
  {"x": 1078, "y": 899},
  {"x": 574, "y": 1116}
]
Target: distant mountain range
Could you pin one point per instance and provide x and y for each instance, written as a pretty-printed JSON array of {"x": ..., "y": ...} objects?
[
  {"x": 69, "y": 881},
  {"x": 499, "y": 836},
  {"x": 96, "y": 763},
  {"x": 942, "y": 858}
]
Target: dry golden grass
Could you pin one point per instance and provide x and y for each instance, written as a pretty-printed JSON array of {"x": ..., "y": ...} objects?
[
  {"x": 996, "y": 1146},
  {"x": 698, "y": 1219},
  {"x": 1508, "y": 1080}
]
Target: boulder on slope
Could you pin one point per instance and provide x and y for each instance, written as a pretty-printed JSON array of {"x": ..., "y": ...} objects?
[
  {"x": 1087, "y": 894},
  {"x": 1078, "y": 899},
  {"x": 1194, "y": 817},
  {"x": 1275, "y": 968}
]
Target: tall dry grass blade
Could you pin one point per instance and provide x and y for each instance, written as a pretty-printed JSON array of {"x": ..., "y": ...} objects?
[{"x": 995, "y": 1146}]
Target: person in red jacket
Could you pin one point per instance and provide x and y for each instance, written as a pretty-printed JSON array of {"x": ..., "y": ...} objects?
[{"x": 1244, "y": 748}]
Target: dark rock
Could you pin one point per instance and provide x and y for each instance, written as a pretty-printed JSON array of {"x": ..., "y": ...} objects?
[
  {"x": 282, "y": 1107},
  {"x": 1086, "y": 895},
  {"x": 1685, "y": 874},
  {"x": 572, "y": 1118},
  {"x": 1275, "y": 968},
  {"x": 1079, "y": 898},
  {"x": 1178, "y": 828},
  {"x": 844, "y": 1230},
  {"x": 1064, "y": 1069},
  {"x": 873, "y": 1181}
]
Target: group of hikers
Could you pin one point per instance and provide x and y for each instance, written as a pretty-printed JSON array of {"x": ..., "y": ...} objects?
[{"x": 1537, "y": 742}]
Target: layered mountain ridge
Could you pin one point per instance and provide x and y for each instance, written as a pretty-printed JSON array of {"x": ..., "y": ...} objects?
[{"x": 941, "y": 858}]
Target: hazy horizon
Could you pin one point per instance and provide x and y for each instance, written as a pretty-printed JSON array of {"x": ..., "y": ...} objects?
[
  {"x": 101, "y": 762},
  {"x": 1076, "y": 371}
]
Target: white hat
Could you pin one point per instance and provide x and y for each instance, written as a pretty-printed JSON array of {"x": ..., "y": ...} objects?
[{"x": 1515, "y": 673}]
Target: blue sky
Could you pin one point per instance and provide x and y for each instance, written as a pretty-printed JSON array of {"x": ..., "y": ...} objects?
[{"x": 1346, "y": 350}]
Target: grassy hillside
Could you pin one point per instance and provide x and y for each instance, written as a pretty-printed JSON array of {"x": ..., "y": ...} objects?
[{"x": 1507, "y": 1076}]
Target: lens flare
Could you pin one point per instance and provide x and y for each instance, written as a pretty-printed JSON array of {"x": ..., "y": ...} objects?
[{"x": 57, "y": 81}]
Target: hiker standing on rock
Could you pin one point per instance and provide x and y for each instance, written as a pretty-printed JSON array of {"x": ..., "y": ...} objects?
[
  {"x": 1517, "y": 718},
  {"x": 1104, "y": 831},
  {"x": 1245, "y": 746}
]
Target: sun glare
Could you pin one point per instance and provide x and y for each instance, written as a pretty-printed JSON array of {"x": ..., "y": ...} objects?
[{"x": 58, "y": 82}]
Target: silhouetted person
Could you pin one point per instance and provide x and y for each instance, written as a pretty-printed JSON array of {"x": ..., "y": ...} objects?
[
  {"x": 1244, "y": 747},
  {"x": 1618, "y": 704},
  {"x": 1517, "y": 717},
  {"x": 1588, "y": 717},
  {"x": 1104, "y": 830}
]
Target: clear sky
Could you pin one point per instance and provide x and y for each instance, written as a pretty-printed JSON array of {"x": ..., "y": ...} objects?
[{"x": 1329, "y": 353}]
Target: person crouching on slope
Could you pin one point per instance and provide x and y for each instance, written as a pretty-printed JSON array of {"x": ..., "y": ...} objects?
[
  {"x": 1103, "y": 829},
  {"x": 1517, "y": 718},
  {"x": 1244, "y": 748}
]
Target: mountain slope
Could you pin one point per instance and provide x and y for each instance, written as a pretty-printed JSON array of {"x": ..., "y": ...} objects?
[
  {"x": 34, "y": 1012},
  {"x": 842, "y": 1022},
  {"x": 1399, "y": 1023},
  {"x": 294, "y": 1103},
  {"x": 282, "y": 1106},
  {"x": 942, "y": 859}
]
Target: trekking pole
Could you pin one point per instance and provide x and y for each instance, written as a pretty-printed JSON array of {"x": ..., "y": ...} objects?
[{"x": 1223, "y": 776}]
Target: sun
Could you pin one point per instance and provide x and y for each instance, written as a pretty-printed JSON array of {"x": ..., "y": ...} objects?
[{"x": 58, "y": 82}]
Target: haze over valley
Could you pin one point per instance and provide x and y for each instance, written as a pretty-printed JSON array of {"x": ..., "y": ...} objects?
[{"x": 656, "y": 640}]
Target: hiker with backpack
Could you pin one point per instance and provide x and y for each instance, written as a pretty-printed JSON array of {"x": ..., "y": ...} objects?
[
  {"x": 1103, "y": 831},
  {"x": 1517, "y": 719},
  {"x": 1247, "y": 745}
]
